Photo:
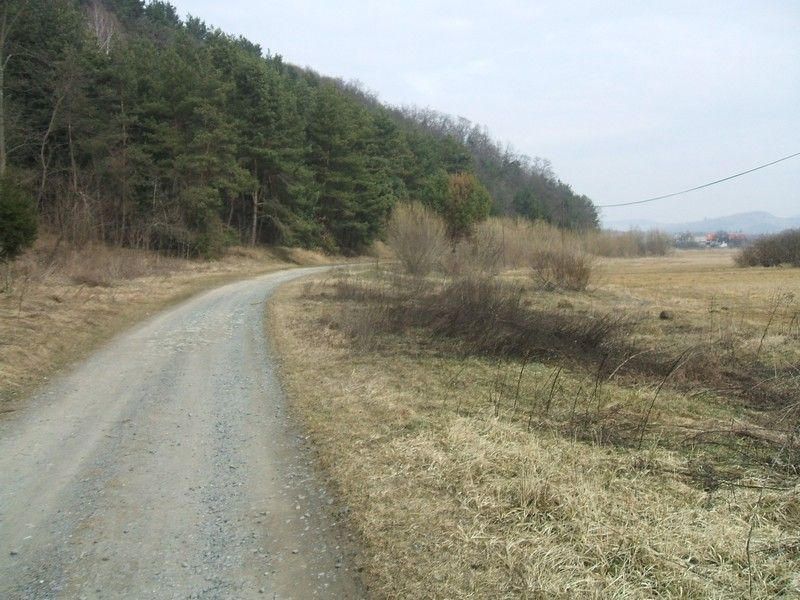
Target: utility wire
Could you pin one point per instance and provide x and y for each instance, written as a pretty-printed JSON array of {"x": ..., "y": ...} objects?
[{"x": 700, "y": 187}]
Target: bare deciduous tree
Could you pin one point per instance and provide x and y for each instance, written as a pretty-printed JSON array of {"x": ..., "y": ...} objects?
[{"x": 103, "y": 24}]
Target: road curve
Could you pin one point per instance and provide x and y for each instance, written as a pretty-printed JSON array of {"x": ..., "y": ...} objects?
[{"x": 164, "y": 467}]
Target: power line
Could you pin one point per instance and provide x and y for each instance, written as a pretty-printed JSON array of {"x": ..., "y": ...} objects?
[{"x": 700, "y": 187}]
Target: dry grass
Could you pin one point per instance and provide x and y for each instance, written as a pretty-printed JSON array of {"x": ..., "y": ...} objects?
[
  {"x": 695, "y": 281},
  {"x": 58, "y": 302},
  {"x": 478, "y": 476},
  {"x": 505, "y": 316},
  {"x": 302, "y": 256}
]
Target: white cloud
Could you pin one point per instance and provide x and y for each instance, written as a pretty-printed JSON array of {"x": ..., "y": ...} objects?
[{"x": 456, "y": 24}]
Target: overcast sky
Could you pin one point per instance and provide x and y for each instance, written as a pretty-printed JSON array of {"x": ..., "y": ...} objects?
[{"x": 628, "y": 100}]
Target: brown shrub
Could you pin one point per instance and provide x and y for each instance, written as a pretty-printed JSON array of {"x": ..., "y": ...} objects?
[
  {"x": 492, "y": 318},
  {"x": 520, "y": 240},
  {"x": 628, "y": 244},
  {"x": 485, "y": 316},
  {"x": 562, "y": 267},
  {"x": 556, "y": 257},
  {"x": 97, "y": 265},
  {"x": 481, "y": 253},
  {"x": 772, "y": 250},
  {"x": 417, "y": 236}
]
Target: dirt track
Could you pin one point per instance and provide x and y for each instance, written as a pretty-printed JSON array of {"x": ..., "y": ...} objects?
[{"x": 164, "y": 467}]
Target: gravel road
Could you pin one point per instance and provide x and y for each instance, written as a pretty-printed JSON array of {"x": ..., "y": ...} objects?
[{"x": 165, "y": 467}]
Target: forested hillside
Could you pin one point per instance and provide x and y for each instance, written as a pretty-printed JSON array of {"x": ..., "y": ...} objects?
[{"x": 124, "y": 123}]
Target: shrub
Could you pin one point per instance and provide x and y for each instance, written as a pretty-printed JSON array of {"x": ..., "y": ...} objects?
[
  {"x": 629, "y": 243},
  {"x": 18, "y": 219},
  {"x": 460, "y": 198},
  {"x": 772, "y": 250},
  {"x": 563, "y": 267},
  {"x": 481, "y": 252},
  {"x": 180, "y": 241},
  {"x": 486, "y": 316},
  {"x": 418, "y": 237},
  {"x": 556, "y": 257}
]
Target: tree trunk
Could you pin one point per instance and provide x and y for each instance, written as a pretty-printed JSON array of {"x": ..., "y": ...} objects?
[
  {"x": 45, "y": 160},
  {"x": 6, "y": 25},
  {"x": 3, "y": 61},
  {"x": 254, "y": 229},
  {"x": 123, "y": 232},
  {"x": 73, "y": 164}
]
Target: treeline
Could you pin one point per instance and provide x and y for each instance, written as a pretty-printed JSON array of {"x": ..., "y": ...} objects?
[
  {"x": 519, "y": 185},
  {"x": 125, "y": 123}
]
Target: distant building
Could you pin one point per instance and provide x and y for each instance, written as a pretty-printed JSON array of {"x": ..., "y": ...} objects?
[
  {"x": 723, "y": 239},
  {"x": 738, "y": 239}
]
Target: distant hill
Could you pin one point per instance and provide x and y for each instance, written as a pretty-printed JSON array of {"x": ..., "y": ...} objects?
[{"x": 750, "y": 222}]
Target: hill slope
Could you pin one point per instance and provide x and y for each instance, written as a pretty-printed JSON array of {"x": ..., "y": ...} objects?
[{"x": 128, "y": 124}]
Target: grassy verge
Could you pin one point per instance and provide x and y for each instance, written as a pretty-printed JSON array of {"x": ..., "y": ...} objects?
[
  {"x": 477, "y": 474},
  {"x": 58, "y": 303}
]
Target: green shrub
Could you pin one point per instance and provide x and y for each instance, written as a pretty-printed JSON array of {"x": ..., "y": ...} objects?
[
  {"x": 18, "y": 219},
  {"x": 178, "y": 240},
  {"x": 460, "y": 198}
]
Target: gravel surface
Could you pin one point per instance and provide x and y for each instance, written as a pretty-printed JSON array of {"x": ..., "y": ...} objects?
[{"x": 165, "y": 467}]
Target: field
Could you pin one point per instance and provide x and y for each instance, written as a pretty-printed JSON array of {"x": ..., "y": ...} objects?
[
  {"x": 636, "y": 439},
  {"x": 57, "y": 302}
]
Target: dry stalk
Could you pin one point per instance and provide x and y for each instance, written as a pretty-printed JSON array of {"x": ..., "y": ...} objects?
[
  {"x": 776, "y": 303},
  {"x": 749, "y": 540},
  {"x": 674, "y": 367}
]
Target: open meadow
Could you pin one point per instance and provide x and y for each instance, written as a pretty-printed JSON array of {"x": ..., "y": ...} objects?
[{"x": 495, "y": 436}]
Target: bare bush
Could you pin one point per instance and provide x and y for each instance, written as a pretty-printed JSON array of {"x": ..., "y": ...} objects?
[
  {"x": 417, "y": 236},
  {"x": 481, "y": 252},
  {"x": 91, "y": 264},
  {"x": 484, "y": 315},
  {"x": 556, "y": 257},
  {"x": 772, "y": 250},
  {"x": 565, "y": 267},
  {"x": 628, "y": 244},
  {"x": 492, "y": 318},
  {"x": 520, "y": 240}
]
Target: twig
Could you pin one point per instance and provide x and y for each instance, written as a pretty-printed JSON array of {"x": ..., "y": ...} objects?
[
  {"x": 626, "y": 361},
  {"x": 552, "y": 391},
  {"x": 574, "y": 407},
  {"x": 597, "y": 391},
  {"x": 678, "y": 362},
  {"x": 451, "y": 387},
  {"x": 25, "y": 282},
  {"x": 749, "y": 539},
  {"x": 519, "y": 382},
  {"x": 775, "y": 306}
]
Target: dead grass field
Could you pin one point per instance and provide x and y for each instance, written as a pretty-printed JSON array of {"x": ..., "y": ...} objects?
[
  {"x": 58, "y": 303},
  {"x": 700, "y": 282},
  {"x": 479, "y": 476}
]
